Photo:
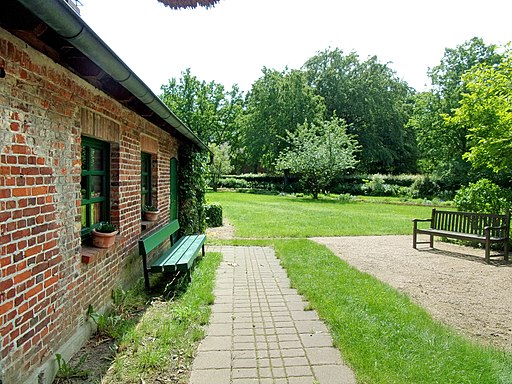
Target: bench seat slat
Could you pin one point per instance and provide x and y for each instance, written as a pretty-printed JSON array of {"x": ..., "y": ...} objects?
[
  {"x": 167, "y": 261},
  {"x": 187, "y": 259},
  {"x": 459, "y": 236}
]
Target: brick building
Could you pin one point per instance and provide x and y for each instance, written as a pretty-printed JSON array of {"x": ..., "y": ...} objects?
[{"x": 82, "y": 140}]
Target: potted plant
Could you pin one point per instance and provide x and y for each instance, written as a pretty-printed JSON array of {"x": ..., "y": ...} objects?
[
  {"x": 150, "y": 213},
  {"x": 104, "y": 235}
]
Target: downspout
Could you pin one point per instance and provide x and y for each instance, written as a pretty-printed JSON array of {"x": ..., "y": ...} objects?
[{"x": 61, "y": 18}]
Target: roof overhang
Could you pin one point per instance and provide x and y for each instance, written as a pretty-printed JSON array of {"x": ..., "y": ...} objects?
[{"x": 54, "y": 29}]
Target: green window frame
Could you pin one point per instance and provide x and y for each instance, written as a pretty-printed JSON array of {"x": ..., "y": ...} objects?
[
  {"x": 95, "y": 181},
  {"x": 146, "y": 180}
]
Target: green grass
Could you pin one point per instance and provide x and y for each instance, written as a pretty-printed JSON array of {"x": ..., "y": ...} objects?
[
  {"x": 263, "y": 216},
  {"x": 163, "y": 342},
  {"x": 382, "y": 334}
]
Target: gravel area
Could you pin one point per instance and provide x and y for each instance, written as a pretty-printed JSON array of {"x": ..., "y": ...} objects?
[{"x": 452, "y": 282}]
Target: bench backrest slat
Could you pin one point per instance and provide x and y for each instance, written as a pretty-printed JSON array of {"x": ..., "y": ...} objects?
[
  {"x": 468, "y": 222},
  {"x": 152, "y": 241}
]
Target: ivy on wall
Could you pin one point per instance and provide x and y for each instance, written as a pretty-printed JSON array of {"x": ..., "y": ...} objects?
[{"x": 192, "y": 189}]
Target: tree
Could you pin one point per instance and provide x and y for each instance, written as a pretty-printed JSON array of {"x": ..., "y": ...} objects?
[
  {"x": 441, "y": 146},
  {"x": 278, "y": 102},
  {"x": 207, "y": 108},
  {"x": 373, "y": 101},
  {"x": 485, "y": 112},
  {"x": 318, "y": 153},
  {"x": 221, "y": 164}
]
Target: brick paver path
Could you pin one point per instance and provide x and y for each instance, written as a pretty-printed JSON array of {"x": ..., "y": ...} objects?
[{"x": 259, "y": 331}]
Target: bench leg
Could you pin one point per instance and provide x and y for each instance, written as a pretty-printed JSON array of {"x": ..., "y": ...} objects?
[
  {"x": 505, "y": 256},
  {"x": 431, "y": 241},
  {"x": 487, "y": 252},
  {"x": 203, "y": 250}
]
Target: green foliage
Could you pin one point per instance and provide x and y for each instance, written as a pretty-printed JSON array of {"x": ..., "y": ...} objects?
[
  {"x": 150, "y": 208},
  {"x": 376, "y": 186},
  {"x": 483, "y": 197},
  {"x": 346, "y": 198},
  {"x": 442, "y": 145},
  {"x": 373, "y": 101},
  {"x": 67, "y": 372},
  {"x": 106, "y": 227},
  {"x": 221, "y": 164},
  {"x": 425, "y": 187},
  {"x": 318, "y": 153},
  {"x": 485, "y": 111},
  {"x": 210, "y": 110},
  {"x": 213, "y": 215},
  {"x": 231, "y": 182},
  {"x": 192, "y": 189},
  {"x": 278, "y": 102}
]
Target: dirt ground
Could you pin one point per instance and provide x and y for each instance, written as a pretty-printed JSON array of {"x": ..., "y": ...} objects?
[{"x": 452, "y": 282}]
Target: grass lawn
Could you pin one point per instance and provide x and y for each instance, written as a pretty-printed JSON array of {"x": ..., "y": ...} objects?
[{"x": 263, "y": 216}]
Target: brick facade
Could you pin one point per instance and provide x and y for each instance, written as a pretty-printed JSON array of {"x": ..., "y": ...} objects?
[{"x": 47, "y": 278}]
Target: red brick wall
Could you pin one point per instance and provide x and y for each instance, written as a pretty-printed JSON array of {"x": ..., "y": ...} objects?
[{"x": 45, "y": 285}]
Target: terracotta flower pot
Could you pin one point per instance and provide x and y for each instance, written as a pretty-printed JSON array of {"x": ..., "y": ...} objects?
[
  {"x": 151, "y": 215},
  {"x": 103, "y": 240}
]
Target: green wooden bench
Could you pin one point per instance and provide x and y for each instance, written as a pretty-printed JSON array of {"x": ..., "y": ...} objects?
[
  {"x": 480, "y": 227},
  {"x": 178, "y": 258}
]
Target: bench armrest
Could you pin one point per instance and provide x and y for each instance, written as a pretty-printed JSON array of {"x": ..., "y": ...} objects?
[
  {"x": 421, "y": 220},
  {"x": 489, "y": 228}
]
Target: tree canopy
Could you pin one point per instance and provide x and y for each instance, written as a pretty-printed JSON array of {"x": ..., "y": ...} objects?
[
  {"x": 485, "y": 111},
  {"x": 319, "y": 153},
  {"x": 373, "y": 101}
]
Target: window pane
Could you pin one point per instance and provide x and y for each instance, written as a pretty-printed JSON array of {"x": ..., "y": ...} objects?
[
  {"x": 96, "y": 213},
  {"x": 83, "y": 187},
  {"x": 96, "y": 186},
  {"x": 84, "y": 216},
  {"x": 84, "y": 158},
  {"x": 97, "y": 159}
]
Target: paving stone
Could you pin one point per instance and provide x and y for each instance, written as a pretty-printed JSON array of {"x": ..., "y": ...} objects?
[
  {"x": 334, "y": 374},
  {"x": 316, "y": 340},
  {"x": 298, "y": 370},
  {"x": 216, "y": 343},
  {"x": 210, "y": 376},
  {"x": 212, "y": 359},
  {"x": 327, "y": 355}
]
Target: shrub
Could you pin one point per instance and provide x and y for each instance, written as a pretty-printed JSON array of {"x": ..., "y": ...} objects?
[
  {"x": 425, "y": 187},
  {"x": 377, "y": 187},
  {"x": 346, "y": 198},
  {"x": 484, "y": 197},
  {"x": 231, "y": 182},
  {"x": 213, "y": 215}
]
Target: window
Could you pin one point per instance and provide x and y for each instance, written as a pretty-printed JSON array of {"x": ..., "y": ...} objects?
[
  {"x": 145, "y": 174},
  {"x": 94, "y": 184}
]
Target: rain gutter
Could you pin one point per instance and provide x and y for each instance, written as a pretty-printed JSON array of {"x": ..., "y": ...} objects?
[{"x": 63, "y": 20}]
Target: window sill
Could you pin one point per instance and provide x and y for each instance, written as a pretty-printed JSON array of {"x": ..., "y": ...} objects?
[
  {"x": 147, "y": 226},
  {"x": 90, "y": 253}
]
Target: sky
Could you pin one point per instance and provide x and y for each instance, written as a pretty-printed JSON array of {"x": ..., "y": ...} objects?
[{"x": 232, "y": 42}]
